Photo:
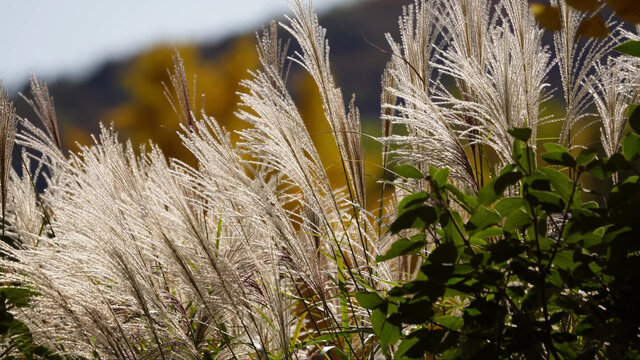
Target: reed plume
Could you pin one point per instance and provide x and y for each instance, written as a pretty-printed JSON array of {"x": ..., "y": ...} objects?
[{"x": 8, "y": 127}]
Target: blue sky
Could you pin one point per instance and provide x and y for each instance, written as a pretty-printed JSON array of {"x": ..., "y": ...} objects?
[{"x": 55, "y": 38}]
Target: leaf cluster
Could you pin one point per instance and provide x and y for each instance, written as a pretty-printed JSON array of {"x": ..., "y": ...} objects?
[{"x": 525, "y": 269}]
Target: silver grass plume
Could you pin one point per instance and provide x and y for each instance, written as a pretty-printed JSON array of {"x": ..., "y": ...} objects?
[
  {"x": 532, "y": 59},
  {"x": 42, "y": 105},
  {"x": 8, "y": 127},
  {"x": 615, "y": 85},
  {"x": 311, "y": 37},
  {"x": 431, "y": 127},
  {"x": 345, "y": 125},
  {"x": 179, "y": 95},
  {"x": 500, "y": 68},
  {"x": 25, "y": 218},
  {"x": 577, "y": 58}
]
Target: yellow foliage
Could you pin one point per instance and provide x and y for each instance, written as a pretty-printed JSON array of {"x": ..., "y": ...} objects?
[
  {"x": 584, "y": 5},
  {"x": 627, "y": 10},
  {"x": 149, "y": 115},
  {"x": 548, "y": 16},
  {"x": 594, "y": 26},
  {"x": 310, "y": 107}
]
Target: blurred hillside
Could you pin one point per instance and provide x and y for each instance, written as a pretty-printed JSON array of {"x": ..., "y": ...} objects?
[
  {"x": 128, "y": 92},
  {"x": 130, "y": 95}
]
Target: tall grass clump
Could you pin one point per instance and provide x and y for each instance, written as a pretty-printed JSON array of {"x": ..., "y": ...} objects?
[{"x": 251, "y": 253}]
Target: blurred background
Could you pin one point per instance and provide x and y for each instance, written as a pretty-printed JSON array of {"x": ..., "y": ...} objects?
[{"x": 106, "y": 62}]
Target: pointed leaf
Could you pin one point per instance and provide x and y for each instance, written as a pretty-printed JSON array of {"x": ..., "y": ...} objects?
[
  {"x": 522, "y": 134},
  {"x": 586, "y": 156},
  {"x": 450, "y": 322},
  {"x": 482, "y": 219},
  {"x": 446, "y": 253},
  {"x": 561, "y": 184},
  {"x": 631, "y": 147},
  {"x": 634, "y": 115},
  {"x": 558, "y": 155},
  {"x": 418, "y": 218},
  {"x": 412, "y": 201},
  {"x": 404, "y": 246},
  {"x": 496, "y": 187},
  {"x": 631, "y": 47},
  {"x": 508, "y": 205},
  {"x": 439, "y": 175},
  {"x": 386, "y": 331},
  {"x": 369, "y": 300},
  {"x": 408, "y": 172}
]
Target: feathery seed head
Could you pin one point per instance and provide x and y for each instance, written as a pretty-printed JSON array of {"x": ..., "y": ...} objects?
[
  {"x": 178, "y": 96},
  {"x": 8, "y": 127},
  {"x": 42, "y": 105}
]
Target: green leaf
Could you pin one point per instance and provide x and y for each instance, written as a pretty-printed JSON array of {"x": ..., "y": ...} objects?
[
  {"x": 558, "y": 155},
  {"x": 439, "y": 176},
  {"x": 631, "y": 147},
  {"x": 507, "y": 205},
  {"x": 547, "y": 200},
  {"x": 412, "y": 201},
  {"x": 406, "y": 349},
  {"x": 586, "y": 156},
  {"x": 387, "y": 332},
  {"x": 19, "y": 297},
  {"x": 468, "y": 202},
  {"x": 450, "y": 322},
  {"x": 524, "y": 157},
  {"x": 634, "y": 117},
  {"x": 522, "y": 134},
  {"x": 561, "y": 184},
  {"x": 404, "y": 246},
  {"x": 631, "y": 47},
  {"x": 618, "y": 162},
  {"x": 599, "y": 169},
  {"x": 564, "y": 260},
  {"x": 496, "y": 187},
  {"x": 516, "y": 220},
  {"x": 505, "y": 249},
  {"x": 446, "y": 253},
  {"x": 370, "y": 300},
  {"x": 408, "y": 172},
  {"x": 482, "y": 219},
  {"x": 491, "y": 232},
  {"x": 419, "y": 218}
]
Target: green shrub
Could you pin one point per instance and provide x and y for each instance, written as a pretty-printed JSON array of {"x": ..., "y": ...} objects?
[{"x": 540, "y": 274}]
